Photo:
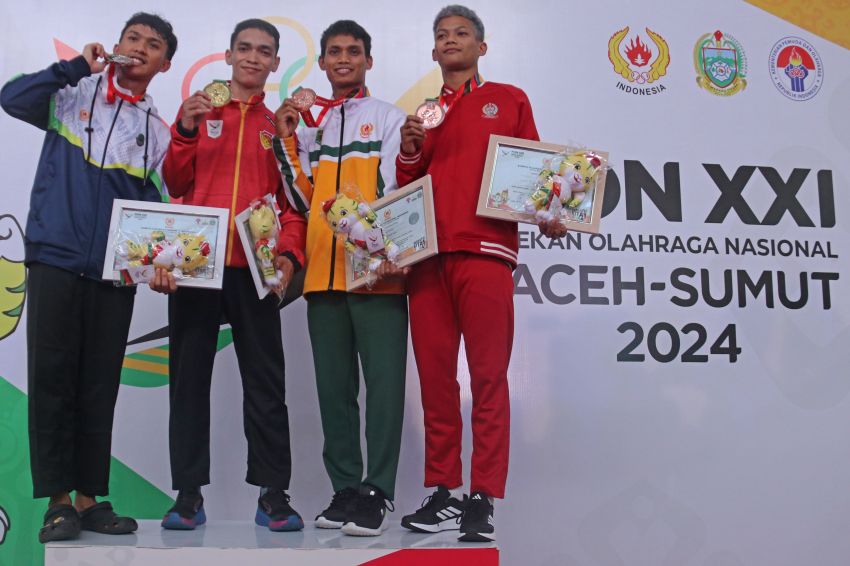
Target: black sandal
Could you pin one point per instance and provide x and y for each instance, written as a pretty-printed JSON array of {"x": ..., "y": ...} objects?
[
  {"x": 100, "y": 518},
  {"x": 61, "y": 522}
]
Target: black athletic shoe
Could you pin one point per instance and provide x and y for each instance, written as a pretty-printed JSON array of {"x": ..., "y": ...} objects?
[
  {"x": 275, "y": 512},
  {"x": 477, "y": 524},
  {"x": 187, "y": 512},
  {"x": 368, "y": 515},
  {"x": 334, "y": 517},
  {"x": 439, "y": 512}
]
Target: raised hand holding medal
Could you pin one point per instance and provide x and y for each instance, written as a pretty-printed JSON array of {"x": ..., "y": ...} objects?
[{"x": 303, "y": 99}]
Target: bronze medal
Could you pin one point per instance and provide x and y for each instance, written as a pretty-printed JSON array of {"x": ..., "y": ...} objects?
[
  {"x": 304, "y": 98},
  {"x": 432, "y": 114}
]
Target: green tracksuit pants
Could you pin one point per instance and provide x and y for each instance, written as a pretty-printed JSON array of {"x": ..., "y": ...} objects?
[{"x": 342, "y": 327}]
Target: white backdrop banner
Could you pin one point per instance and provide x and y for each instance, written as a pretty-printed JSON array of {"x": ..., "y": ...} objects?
[{"x": 679, "y": 381}]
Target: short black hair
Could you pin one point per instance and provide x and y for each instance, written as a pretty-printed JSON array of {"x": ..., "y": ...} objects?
[
  {"x": 463, "y": 12},
  {"x": 347, "y": 27},
  {"x": 256, "y": 23},
  {"x": 161, "y": 26}
]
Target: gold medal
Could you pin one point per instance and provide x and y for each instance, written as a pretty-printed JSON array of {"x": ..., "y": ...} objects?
[{"x": 219, "y": 93}]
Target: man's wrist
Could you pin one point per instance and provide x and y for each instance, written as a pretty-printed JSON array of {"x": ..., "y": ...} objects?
[{"x": 186, "y": 133}]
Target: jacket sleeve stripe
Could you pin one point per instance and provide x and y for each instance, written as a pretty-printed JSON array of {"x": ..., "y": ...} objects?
[{"x": 296, "y": 185}]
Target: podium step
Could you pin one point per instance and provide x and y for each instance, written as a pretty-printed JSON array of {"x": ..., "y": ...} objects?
[{"x": 220, "y": 543}]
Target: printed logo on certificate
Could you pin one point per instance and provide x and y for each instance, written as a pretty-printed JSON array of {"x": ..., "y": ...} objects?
[
  {"x": 522, "y": 176},
  {"x": 406, "y": 216}
]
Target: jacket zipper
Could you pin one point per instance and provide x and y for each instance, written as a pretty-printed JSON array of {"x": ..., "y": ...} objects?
[
  {"x": 338, "y": 173},
  {"x": 100, "y": 183},
  {"x": 243, "y": 108}
]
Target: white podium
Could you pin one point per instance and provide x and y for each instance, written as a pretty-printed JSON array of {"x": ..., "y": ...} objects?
[{"x": 220, "y": 543}]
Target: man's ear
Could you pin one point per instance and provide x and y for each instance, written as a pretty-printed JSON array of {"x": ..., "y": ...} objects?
[
  {"x": 228, "y": 57},
  {"x": 433, "y": 55},
  {"x": 368, "y": 63},
  {"x": 482, "y": 49},
  {"x": 276, "y": 63},
  {"x": 165, "y": 66},
  {"x": 322, "y": 62}
]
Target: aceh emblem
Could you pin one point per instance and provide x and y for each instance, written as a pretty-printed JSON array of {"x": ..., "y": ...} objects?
[
  {"x": 632, "y": 63},
  {"x": 720, "y": 63}
]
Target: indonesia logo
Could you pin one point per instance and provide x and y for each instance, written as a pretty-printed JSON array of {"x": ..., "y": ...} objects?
[
  {"x": 490, "y": 110},
  {"x": 638, "y": 62},
  {"x": 366, "y": 130},
  {"x": 720, "y": 63},
  {"x": 795, "y": 68}
]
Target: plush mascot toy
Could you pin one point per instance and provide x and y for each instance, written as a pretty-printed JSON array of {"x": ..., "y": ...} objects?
[
  {"x": 184, "y": 255},
  {"x": 568, "y": 187},
  {"x": 263, "y": 226},
  {"x": 356, "y": 222}
]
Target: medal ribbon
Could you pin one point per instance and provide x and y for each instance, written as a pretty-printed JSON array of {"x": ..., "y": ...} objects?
[
  {"x": 112, "y": 91},
  {"x": 326, "y": 104},
  {"x": 449, "y": 98}
]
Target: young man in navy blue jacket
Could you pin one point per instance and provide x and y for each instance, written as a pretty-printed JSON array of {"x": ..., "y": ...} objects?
[{"x": 104, "y": 140}]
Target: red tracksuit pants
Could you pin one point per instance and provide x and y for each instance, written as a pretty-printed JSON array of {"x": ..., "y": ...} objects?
[{"x": 470, "y": 295}]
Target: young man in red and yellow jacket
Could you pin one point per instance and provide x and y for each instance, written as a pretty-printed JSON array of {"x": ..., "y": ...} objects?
[
  {"x": 466, "y": 289},
  {"x": 223, "y": 157},
  {"x": 356, "y": 142}
]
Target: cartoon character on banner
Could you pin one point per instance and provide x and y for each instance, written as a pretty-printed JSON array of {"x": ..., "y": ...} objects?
[
  {"x": 5, "y": 525},
  {"x": 13, "y": 274}
]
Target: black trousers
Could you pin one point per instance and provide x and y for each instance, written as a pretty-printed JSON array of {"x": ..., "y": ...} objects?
[
  {"x": 76, "y": 336},
  {"x": 194, "y": 317}
]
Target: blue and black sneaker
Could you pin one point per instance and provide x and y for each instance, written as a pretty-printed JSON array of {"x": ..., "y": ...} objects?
[
  {"x": 187, "y": 512},
  {"x": 275, "y": 512}
]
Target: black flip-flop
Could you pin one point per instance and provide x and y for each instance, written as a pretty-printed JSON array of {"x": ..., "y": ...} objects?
[
  {"x": 61, "y": 522},
  {"x": 100, "y": 518}
]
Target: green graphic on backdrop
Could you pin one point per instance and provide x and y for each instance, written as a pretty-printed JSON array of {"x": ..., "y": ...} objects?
[
  {"x": 149, "y": 368},
  {"x": 130, "y": 492}
]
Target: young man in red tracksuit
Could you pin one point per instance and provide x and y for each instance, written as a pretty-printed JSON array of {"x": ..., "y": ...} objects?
[
  {"x": 223, "y": 157},
  {"x": 467, "y": 289}
]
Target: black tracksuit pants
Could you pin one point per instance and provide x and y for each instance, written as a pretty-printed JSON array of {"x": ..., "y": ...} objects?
[
  {"x": 76, "y": 337},
  {"x": 194, "y": 318}
]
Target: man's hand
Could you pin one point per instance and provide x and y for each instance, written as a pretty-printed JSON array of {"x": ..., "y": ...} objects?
[
  {"x": 389, "y": 270},
  {"x": 284, "y": 265},
  {"x": 286, "y": 119},
  {"x": 193, "y": 110},
  {"x": 163, "y": 281},
  {"x": 553, "y": 229},
  {"x": 412, "y": 135},
  {"x": 93, "y": 52}
]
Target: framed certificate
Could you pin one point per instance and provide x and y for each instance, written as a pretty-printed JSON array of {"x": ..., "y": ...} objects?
[
  {"x": 406, "y": 216},
  {"x": 190, "y": 241},
  {"x": 510, "y": 178}
]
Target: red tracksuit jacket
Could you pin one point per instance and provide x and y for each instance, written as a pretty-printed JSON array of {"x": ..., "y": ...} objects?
[
  {"x": 228, "y": 163},
  {"x": 454, "y": 154}
]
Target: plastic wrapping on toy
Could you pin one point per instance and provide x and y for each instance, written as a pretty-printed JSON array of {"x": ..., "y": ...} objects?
[
  {"x": 264, "y": 231},
  {"x": 184, "y": 253},
  {"x": 565, "y": 186},
  {"x": 354, "y": 221}
]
